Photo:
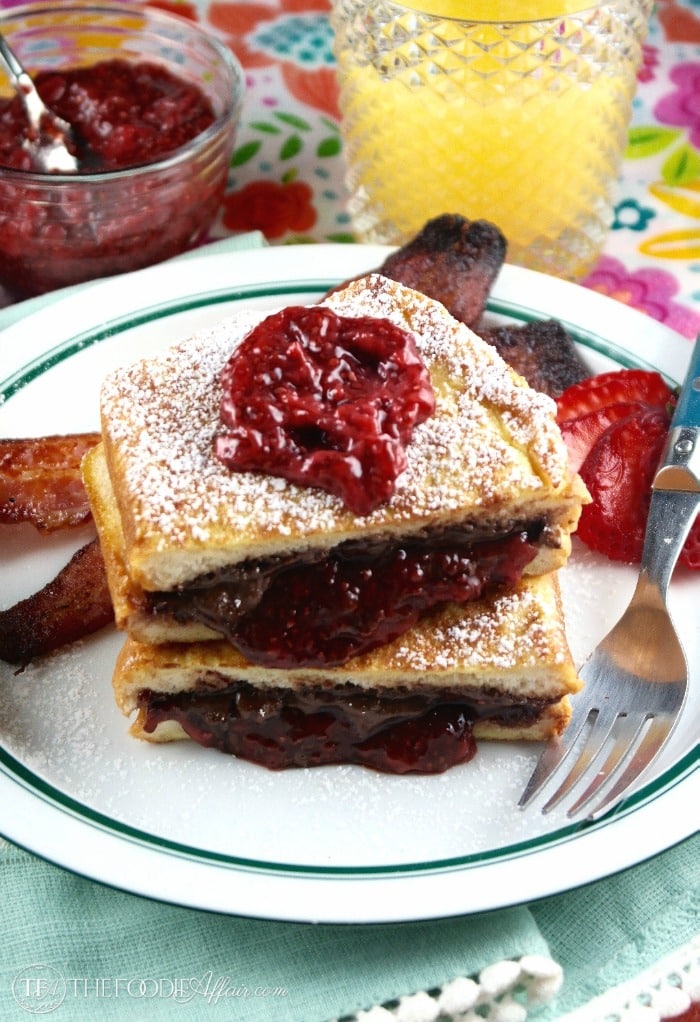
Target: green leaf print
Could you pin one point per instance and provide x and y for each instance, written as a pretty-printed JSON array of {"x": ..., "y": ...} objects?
[
  {"x": 294, "y": 122},
  {"x": 648, "y": 140},
  {"x": 682, "y": 166},
  {"x": 291, "y": 147},
  {"x": 244, "y": 153},
  {"x": 328, "y": 147},
  {"x": 266, "y": 127}
]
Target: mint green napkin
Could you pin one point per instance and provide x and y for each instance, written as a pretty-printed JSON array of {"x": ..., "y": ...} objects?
[
  {"x": 86, "y": 931},
  {"x": 122, "y": 957},
  {"x": 606, "y": 933}
]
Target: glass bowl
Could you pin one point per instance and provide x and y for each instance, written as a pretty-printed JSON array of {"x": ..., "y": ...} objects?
[{"x": 59, "y": 229}]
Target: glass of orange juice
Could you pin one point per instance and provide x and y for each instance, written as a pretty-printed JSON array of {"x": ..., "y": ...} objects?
[{"x": 513, "y": 111}]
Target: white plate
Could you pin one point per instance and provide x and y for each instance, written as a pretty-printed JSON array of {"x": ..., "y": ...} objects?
[{"x": 334, "y": 844}]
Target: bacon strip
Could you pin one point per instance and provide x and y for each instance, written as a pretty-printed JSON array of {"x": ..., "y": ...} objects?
[
  {"x": 453, "y": 260},
  {"x": 71, "y": 606},
  {"x": 40, "y": 481},
  {"x": 542, "y": 352}
]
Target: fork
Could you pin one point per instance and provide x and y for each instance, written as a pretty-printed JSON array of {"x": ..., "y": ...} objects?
[{"x": 637, "y": 678}]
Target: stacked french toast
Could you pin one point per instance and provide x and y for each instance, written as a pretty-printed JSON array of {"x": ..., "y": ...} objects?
[{"x": 385, "y": 601}]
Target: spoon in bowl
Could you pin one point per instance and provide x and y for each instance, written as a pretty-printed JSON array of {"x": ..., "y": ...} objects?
[{"x": 50, "y": 137}]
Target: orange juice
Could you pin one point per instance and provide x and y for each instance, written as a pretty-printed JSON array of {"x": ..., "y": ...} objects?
[{"x": 523, "y": 124}]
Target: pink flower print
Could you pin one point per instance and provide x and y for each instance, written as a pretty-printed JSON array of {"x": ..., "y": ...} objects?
[
  {"x": 682, "y": 107},
  {"x": 649, "y": 290}
]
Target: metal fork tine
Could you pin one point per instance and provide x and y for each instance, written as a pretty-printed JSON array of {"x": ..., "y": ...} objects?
[
  {"x": 627, "y": 734},
  {"x": 554, "y": 753},
  {"x": 599, "y": 731},
  {"x": 656, "y": 735}
]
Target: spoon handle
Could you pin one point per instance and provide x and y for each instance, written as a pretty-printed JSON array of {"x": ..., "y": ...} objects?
[
  {"x": 34, "y": 105},
  {"x": 13, "y": 65}
]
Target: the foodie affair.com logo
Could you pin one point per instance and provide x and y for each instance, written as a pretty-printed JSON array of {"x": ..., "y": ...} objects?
[{"x": 42, "y": 989}]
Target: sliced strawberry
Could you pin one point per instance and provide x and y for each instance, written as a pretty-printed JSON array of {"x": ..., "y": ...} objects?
[
  {"x": 615, "y": 426},
  {"x": 618, "y": 385},
  {"x": 581, "y": 434},
  {"x": 619, "y": 472}
]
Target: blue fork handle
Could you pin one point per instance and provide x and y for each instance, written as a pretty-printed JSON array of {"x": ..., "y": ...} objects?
[
  {"x": 679, "y": 468},
  {"x": 687, "y": 412}
]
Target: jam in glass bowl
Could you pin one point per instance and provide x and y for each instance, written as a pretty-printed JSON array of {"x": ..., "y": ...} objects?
[{"x": 154, "y": 102}]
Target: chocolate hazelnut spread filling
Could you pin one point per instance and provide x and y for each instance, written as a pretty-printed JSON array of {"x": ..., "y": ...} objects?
[
  {"x": 393, "y": 730},
  {"x": 320, "y": 608}
]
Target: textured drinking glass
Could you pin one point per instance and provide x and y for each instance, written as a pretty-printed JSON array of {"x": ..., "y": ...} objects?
[{"x": 521, "y": 120}]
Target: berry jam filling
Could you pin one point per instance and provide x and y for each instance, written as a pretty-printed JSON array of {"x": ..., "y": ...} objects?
[
  {"x": 122, "y": 115},
  {"x": 391, "y": 730},
  {"x": 320, "y": 614},
  {"x": 326, "y": 401}
]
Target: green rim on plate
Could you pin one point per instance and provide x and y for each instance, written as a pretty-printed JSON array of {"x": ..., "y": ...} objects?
[{"x": 25, "y": 777}]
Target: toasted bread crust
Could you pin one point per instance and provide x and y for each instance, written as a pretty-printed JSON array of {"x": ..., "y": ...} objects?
[{"x": 491, "y": 449}]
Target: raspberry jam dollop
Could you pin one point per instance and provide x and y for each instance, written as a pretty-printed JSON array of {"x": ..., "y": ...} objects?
[{"x": 326, "y": 401}]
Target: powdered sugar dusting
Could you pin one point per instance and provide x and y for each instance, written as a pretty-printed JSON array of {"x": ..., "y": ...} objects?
[
  {"x": 477, "y": 383},
  {"x": 489, "y": 636},
  {"x": 490, "y": 441}
]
